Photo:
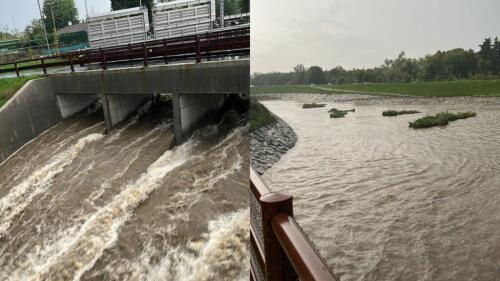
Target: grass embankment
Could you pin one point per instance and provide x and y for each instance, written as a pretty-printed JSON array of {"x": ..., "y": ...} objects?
[
  {"x": 429, "y": 89},
  {"x": 288, "y": 89},
  {"x": 313, "y": 105},
  {"x": 400, "y": 112},
  {"x": 440, "y": 119},
  {"x": 425, "y": 89},
  {"x": 259, "y": 115},
  {"x": 9, "y": 86}
]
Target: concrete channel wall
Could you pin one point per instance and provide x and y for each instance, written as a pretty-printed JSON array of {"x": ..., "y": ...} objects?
[
  {"x": 197, "y": 90},
  {"x": 31, "y": 111}
]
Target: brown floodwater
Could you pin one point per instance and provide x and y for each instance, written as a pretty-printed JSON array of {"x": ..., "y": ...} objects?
[
  {"x": 79, "y": 205},
  {"x": 382, "y": 201}
]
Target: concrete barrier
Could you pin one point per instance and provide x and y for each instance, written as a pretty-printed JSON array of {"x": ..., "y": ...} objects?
[
  {"x": 198, "y": 90},
  {"x": 31, "y": 111}
]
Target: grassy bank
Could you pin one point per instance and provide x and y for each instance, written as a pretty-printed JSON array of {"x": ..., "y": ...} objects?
[
  {"x": 288, "y": 89},
  {"x": 259, "y": 115},
  {"x": 431, "y": 89},
  {"x": 426, "y": 89},
  {"x": 440, "y": 119},
  {"x": 9, "y": 86}
]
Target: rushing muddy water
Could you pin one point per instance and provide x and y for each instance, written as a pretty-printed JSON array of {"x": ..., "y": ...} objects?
[
  {"x": 382, "y": 201},
  {"x": 79, "y": 205}
]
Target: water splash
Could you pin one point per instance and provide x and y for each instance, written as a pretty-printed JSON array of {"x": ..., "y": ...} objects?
[
  {"x": 222, "y": 255},
  {"x": 21, "y": 195},
  {"x": 101, "y": 230}
]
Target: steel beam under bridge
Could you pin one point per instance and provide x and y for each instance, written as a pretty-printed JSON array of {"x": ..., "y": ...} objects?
[{"x": 197, "y": 89}]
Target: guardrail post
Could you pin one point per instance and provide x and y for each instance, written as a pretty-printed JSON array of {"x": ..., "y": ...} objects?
[
  {"x": 278, "y": 268},
  {"x": 165, "y": 51},
  {"x": 103, "y": 59},
  {"x": 43, "y": 66},
  {"x": 129, "y": 54},
  {"x": 145, "y": 54},
  {"x": 17, "y": 69},
  {"x": 198, "y": 53},
  {"x": 71, "y": 63}
]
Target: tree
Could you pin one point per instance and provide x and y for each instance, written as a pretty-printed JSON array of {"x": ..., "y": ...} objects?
[
  {"x": 60, "y": 12},
  {"x": 315, "y": 75},
  {"x": 485, "y": 56},
  {"x": 34, "y": 34},
  {"x": 495, "y": 56},
  {"x": 299, "y": 75}
]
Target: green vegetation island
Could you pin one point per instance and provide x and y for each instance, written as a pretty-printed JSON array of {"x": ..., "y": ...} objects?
[
  {"x": 398, "y": 112},
  {"x": 440, "y": 119},
  {"x": 313, "y": 105}
]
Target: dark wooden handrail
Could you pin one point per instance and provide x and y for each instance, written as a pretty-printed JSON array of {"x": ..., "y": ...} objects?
[
  {"x": 280, "y": 249},
  {"x": 306, "y": 261}
]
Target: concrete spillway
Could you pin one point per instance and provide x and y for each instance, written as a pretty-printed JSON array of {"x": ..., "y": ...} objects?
[{"x": 197, "y": 90}]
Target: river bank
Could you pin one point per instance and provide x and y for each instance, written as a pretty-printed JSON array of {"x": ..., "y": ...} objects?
[
  {"x": 382, "y": 201},
  {"x": 269, "y": 143},
  {"x": 417, "y": 89}
]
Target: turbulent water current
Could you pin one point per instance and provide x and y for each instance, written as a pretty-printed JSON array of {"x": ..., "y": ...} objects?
[
  {"x": 382, "y": 201},
  {"x": 76, "y": 204}
]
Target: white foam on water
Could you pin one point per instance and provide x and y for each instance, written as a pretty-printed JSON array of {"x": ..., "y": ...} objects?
[
  {"x": 21, "y": 195},
  {"x": 101, "y": 230},
  {"x": 54, "y": 147},
  {"x": 222, "y": 255}
]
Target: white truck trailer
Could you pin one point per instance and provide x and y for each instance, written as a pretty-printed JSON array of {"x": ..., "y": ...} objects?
[
  {"x": 183, "y": 17},
  {"x": 118, "y": 27}
]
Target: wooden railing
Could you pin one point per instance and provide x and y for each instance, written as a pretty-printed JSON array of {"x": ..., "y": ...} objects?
[
  {"x": 280, "y": 251},
  {"x": 230, "y": 42}
]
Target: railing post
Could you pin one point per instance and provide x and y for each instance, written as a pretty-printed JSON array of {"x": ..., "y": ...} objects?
[
  {"x": 103, "y": 59},
  {"x": 165, "y": 52},
  {"x": 71, "y": 63},
  {"x": 129, "y": 55},
  {"x": 145, "y": 54},
  {"x": 17, "y": 69},
  {"x": 277, "y": 265},
  {"x": 43, "y": 66},
  {"x": 198, "y": 53}
]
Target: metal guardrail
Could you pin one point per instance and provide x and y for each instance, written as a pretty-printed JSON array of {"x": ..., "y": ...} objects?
[
  {"x": 231, "y": 42},
  {"x": 280, "y": 251}
]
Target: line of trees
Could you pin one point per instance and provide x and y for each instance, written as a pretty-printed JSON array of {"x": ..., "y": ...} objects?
[{"x": 443, "y": 65}]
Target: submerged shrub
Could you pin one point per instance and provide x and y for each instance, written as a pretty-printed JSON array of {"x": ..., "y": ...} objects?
[
  {"x": 337, "y": 114},
  {"x": 440, "y": 119},
  {"x": 400, "y": 112},
  {"x": 313, "y": 105}
]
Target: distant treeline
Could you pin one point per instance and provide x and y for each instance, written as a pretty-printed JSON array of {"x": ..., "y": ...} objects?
[{"x": 444, "y": 65}]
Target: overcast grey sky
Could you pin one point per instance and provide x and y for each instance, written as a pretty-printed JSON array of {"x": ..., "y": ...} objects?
[
  {"x": 361, "y": 33},
  {"x": 21, "y": 12}
]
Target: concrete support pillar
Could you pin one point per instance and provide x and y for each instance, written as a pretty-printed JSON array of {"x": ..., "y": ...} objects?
[
  {"x": 117, "y": 108},
  {"x": 192, "y": 111},
  {"x": 105, "y": 111}
]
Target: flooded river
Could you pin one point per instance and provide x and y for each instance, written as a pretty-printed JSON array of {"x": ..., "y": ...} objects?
[
  {"x": 382, "y": 201},
  {"x": 79, "y": 205}
]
